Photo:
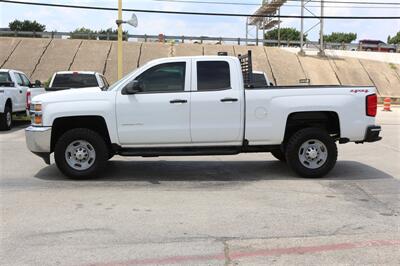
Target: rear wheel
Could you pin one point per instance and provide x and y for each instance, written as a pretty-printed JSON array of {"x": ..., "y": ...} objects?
[
  {"x": 311, "y": 152},
  {"x": 81, "y": 153},
  {"x": 6, "y": 119}
]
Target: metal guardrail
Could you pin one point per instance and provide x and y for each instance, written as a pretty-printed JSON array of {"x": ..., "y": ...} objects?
[{"x": 194, "y": 39}]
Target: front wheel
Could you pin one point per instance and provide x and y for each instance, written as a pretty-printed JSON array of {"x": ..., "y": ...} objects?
[
  {"x": 81, "y": 153},
  {"x": 311, "y": 152},
  {"x": 6, "y": 119}
]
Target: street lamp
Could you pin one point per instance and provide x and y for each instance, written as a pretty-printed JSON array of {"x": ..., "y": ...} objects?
[{"x": 133, "y": 22}]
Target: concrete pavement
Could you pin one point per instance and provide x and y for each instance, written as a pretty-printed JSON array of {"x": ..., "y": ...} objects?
[{"x": 215, "y": 210}]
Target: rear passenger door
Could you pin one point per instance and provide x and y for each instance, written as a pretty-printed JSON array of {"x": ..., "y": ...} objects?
[{"x": 216, "y": 103}]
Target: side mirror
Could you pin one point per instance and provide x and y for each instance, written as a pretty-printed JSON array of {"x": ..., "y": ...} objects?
[
  {"x": 132, "y": 87},
  {"x": 271, "y": 84}
]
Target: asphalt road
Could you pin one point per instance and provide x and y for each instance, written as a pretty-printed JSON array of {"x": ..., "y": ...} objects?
[{"x": 235, "y": 210}]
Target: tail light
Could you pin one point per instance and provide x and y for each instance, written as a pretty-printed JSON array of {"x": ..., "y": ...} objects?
[
  {"x": 372, "y": 105},
  {"x": 28, "y": 100}
]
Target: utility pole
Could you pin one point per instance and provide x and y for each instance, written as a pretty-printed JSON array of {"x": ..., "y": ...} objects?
[
  {"x": 301, "y": 52},
  {"x": 119, "y": 59},
  {"x": 321, "y": 32}
]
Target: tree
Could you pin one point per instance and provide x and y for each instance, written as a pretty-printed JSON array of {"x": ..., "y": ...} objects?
[
  {"x": 26, "y": 25},
  {"x": 287, "y": 34},
  {"x": 112, "y": 34},
  {"x": 83, "y": 33},
  {"x": 395, "y": 39},
  {"x": 339, "y": 37}
]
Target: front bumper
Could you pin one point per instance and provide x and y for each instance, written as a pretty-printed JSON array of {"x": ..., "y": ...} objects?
[
  {"x": 38, "y": 140},
  {"x": 372, "y": 134}
]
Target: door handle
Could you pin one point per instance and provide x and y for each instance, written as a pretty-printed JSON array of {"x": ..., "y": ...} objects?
[
  {"x": 178, "y": 101},
  {"x": 20, "y": 91},
  {"x": 224, "y": 100}
]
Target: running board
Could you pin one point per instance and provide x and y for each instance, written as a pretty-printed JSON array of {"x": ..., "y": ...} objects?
[{"x": 178, "y": 151}]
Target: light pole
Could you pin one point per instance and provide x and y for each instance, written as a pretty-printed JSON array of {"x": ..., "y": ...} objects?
[{"x": 133, "y": 22}]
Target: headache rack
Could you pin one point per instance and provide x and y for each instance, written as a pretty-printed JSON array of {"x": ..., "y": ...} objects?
[{"x": 246, "y": 64}]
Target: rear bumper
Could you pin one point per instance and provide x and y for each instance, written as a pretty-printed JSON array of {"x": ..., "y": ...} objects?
[
  {"x": 38, "y": 141},
  {"x": 372, "y": 134}
]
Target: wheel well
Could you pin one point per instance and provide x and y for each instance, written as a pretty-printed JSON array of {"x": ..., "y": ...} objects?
[
  {"x": 326, "y": 120},
  {"x": 9, "y": 103},
  {"x": 63, "y": 124}
]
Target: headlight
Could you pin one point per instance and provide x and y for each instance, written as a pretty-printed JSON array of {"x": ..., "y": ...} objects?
[{"x": 36, "y": 114}]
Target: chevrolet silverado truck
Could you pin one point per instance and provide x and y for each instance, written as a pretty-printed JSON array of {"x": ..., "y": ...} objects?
[
  {"x": 204, "y": 105},
  {"x": 15, "y": 92},
  {"x": 64, "y": 80}
]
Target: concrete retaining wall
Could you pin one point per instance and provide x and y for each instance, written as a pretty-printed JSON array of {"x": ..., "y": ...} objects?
[
  {"x": 40, "y": 58},
  {"x": 7, "y": 46},
  {"x": 27, "y": 54},
  {"x": 58, "y": 57},
  {"x": 91, "y": 56},
  {"x": 131, "y": 53}
]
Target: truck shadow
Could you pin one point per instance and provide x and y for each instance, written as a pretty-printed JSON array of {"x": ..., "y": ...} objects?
[{"x": 226, "y": 171}]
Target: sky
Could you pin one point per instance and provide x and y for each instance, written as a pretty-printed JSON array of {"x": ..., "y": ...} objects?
[{"x": 65, "y": 20}]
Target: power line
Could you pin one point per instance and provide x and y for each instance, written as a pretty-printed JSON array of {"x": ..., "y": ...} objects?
[
  {"x": 198, "y": 13},
  {"x": 271, "y": 4}
]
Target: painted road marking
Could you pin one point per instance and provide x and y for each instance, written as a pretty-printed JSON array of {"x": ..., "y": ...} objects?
[{"x": 257, "y": 253}]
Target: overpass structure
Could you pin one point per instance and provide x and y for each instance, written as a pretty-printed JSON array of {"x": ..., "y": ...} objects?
[
  {"x": 262, "y": 20},
  {"x": 40, "y": 58}
]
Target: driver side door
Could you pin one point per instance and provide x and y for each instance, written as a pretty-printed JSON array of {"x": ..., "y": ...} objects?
[{"x": 159, "y": 114}]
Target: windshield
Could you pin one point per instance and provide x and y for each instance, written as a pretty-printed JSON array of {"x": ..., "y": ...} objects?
[
  {"x": 75, "y": 80},
  {"x": 125, "y": 78}
]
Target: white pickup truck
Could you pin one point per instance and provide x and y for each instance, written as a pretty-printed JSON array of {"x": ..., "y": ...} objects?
[
  {"x": 16, "y": 91},
  {"x": 204, "y": 105},
  {"x": 64, "y": 80}
]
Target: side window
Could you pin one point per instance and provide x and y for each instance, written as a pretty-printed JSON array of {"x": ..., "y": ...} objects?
[
  {"x": 25, "y": 80},
  {"x": 19, "y": 79},
  {"x": 213, "y": 75},
  {"x": 168, "y": 77}
]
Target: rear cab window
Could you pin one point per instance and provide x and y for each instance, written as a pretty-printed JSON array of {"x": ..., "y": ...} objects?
[
  {"x": 5, "y": 79},
  {"x": 259, "y": 80},
  {"x": 74, "y": 80},
  {"x": 213, "y": 75}
]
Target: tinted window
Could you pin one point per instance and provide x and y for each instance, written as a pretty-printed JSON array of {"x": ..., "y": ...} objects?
[
  {"x": 169, "y": 77},
  {"x": 213, "y": 75},
  {"x": 259, "y": 80},
  {"x": 5, "y": 77},
  {"x": 75, "y": 80},
  {"x": 25, "y": 80}
]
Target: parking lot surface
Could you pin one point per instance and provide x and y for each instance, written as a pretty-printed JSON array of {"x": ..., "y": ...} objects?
[{"x": 248, "y": 209}]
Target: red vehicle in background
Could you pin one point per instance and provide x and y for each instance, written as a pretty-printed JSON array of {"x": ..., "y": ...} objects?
[{"x": 377, "y": 46}]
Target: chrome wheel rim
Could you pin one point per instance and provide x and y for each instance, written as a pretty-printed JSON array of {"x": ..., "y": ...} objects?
[
  {"x": 80, "y": 155},
  {"x": 8, "y": 119},
  {"x": 313, "y": 154}
]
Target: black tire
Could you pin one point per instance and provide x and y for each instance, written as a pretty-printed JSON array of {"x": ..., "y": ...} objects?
[
  {"x": 293, "y": 149},
  {"x": 278, "y": 154},
  {"x": 6, "y": 124},
  {"x": 95, "y": 140}
]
